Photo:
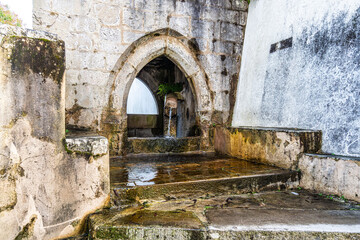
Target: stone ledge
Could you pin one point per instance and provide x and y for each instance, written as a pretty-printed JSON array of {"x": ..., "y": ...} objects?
[
  {"x": 273, "y": 129},
  {"x": 8, "y": 30},
  {"x": 89, "y": 145},
  {"x": 163, "y": 145},
  {"x": 331, "y": 174},
  {"x": 281, "y": 147}
]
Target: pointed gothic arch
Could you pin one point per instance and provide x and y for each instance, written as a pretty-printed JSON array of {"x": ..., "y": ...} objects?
[{"x": 179, "y": 50}]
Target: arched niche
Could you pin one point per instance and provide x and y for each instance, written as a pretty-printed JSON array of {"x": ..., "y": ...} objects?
[{"x": 179, "y": 50}]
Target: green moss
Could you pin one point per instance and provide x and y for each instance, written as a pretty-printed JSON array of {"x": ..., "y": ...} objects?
[
  {"x": 40, "y": 56},
  {"x": 27, "y": 230},
  {"x": 112, "y": 233}
]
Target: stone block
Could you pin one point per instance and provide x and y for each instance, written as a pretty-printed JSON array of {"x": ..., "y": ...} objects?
[
  {"x": 93, "y": 61},
  {"x": 72, "y": 7},
  {"x": 92, "y": 77},
  {"x": 108, "y": 15},
  {"x": 111, "y": 47},
  {"x": 230, "y": 16},
  {"x": 180, "y": 24},
  {"x": 331, "y": 174},
  {"x": 89, "y": 145},
  {"x": 231, "y": 32},
  {"x": 83, "y": 42},
  {"x": 275, "y": 146},
  {"x": 73, "y": 59},
  {"x": 42, "y": 4},
  {"x": 243, "y": 18},
  {"x": 203, "y": 29},
  {"x": 44, "y": 19},
  {"x": 210, "y": 13},
  {"x": 202, "y": 44},
  {"x": 156, "y": 6},
  {"x": 90, "y": 117},
  {"x": 221, "y": 47},
  {"x": 153, "y": 22},
  {"x": 110, "y": 34},
  {"x": 133, "y": 18},
  {"x": 239, "y": 5},
  {"x": 91, "y": 96},
  {"x": 130, "y": 37},
  {"x": 188, "y": 8},
  {"x": 111, "y": 60},
  {"x": 84, "y": 24}
]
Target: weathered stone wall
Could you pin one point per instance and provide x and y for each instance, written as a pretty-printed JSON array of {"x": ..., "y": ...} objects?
[
  {"x": 331, "y": 174},
  {"x": 275, "y": 146},
  {"x": 97, "y": 33},
  {"x": 44, "y": 190},
  {"x": 310, "y": 81}
]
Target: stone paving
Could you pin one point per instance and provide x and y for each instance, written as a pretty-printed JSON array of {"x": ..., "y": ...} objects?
[{"x": 289, "y": 214}]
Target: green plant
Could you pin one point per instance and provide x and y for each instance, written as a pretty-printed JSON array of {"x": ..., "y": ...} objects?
[
  {"x": 166, "y": 88},
  {"x": 8, "y": 17}
]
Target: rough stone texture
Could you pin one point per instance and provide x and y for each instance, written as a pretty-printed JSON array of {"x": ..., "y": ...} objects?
[
  {"x": 163, "y": 145},
  {"x": 98, "y": 33},
  {"x": 331, "y": 174},
  {"x": 45, "y": 192},
  {"x": 314, "y": 84},
  {"x": 275, "y": 146},
  {"x": 291, "y": 214},
  {"x": 90, "y": 145}
]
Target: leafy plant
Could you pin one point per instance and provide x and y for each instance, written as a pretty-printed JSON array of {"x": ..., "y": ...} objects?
[
  {"x": 8, "y": 17},
  {"x": 166, "y": 88}
]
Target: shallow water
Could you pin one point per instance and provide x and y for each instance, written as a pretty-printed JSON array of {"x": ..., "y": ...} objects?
[{"x": 149, "y": 170}]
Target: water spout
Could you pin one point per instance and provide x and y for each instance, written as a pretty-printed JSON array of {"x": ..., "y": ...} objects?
[{"x": 169, "y": 124}]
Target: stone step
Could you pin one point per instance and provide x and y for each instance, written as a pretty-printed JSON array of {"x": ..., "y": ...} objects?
[
  {"x": 137, "y": 145},
  {"x": 190, "y": 176},
  {"x": 291, "y": 214}
]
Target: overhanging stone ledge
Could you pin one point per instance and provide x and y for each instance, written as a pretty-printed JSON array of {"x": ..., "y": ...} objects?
[{"x": 88, "y": 145}]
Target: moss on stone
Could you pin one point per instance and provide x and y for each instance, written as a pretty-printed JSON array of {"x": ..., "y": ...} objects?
[
  {"x": 40, "y": 56},
  {"x": 27, "y": 230}
]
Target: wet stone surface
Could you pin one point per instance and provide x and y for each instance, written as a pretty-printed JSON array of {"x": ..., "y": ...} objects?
[
  {"x": 163, "y": 169},
  {"x": 290, "y": 214}
]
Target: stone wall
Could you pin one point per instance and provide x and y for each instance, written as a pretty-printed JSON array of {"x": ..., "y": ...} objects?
[
  {"x": 301, "y": 69},
  {"x": 97, "y": 33},
  {"x": 330, "y": 174},
  {"x": 45, "y": 191},
  {"x": 275, "y": 146}
]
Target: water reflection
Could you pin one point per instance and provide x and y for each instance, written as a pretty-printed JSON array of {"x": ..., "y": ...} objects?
[
  {"x": 141, "y": 175},
  {"x": 148, "y": 170}
]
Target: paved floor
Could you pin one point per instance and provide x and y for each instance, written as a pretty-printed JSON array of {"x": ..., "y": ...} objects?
[
  {"x": 162, "y": 169},
  {"x": 290, "y": 214}
]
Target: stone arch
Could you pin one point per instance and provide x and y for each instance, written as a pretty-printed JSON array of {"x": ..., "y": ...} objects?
[{"x": 180, "y": 51}]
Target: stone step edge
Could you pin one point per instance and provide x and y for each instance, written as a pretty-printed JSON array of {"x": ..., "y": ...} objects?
[
  {"x": 175, "y": 233},
  {"x": 127, "y": 196}
]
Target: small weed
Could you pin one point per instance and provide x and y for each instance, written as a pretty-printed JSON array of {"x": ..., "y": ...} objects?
[
  {"x": 146, "y": 204},
  {"x": 208, "y": 207},
  {"x": 343, "y": 198},
  {"x": 299, "y": 188},
  {"x": 331, "y": 197}
]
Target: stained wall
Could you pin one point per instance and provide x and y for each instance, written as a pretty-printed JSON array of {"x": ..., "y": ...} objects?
[
  {"x": 45, "y": 190},
  {"x": 97, "y": 33},
  {"x": 301, "y": 69}
]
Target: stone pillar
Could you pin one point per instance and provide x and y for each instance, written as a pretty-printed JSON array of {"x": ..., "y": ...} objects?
[{"x": 45, "y": 189}]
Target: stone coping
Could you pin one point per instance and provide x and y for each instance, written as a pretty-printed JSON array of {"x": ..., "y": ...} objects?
[
  {"x": 8, "y": 30},
  {"x": 162, "y": 138},
  {"x": 274, "y": 129},
  {"x": 94, "y": 145},
  {"x": 335, "y": 157}
]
